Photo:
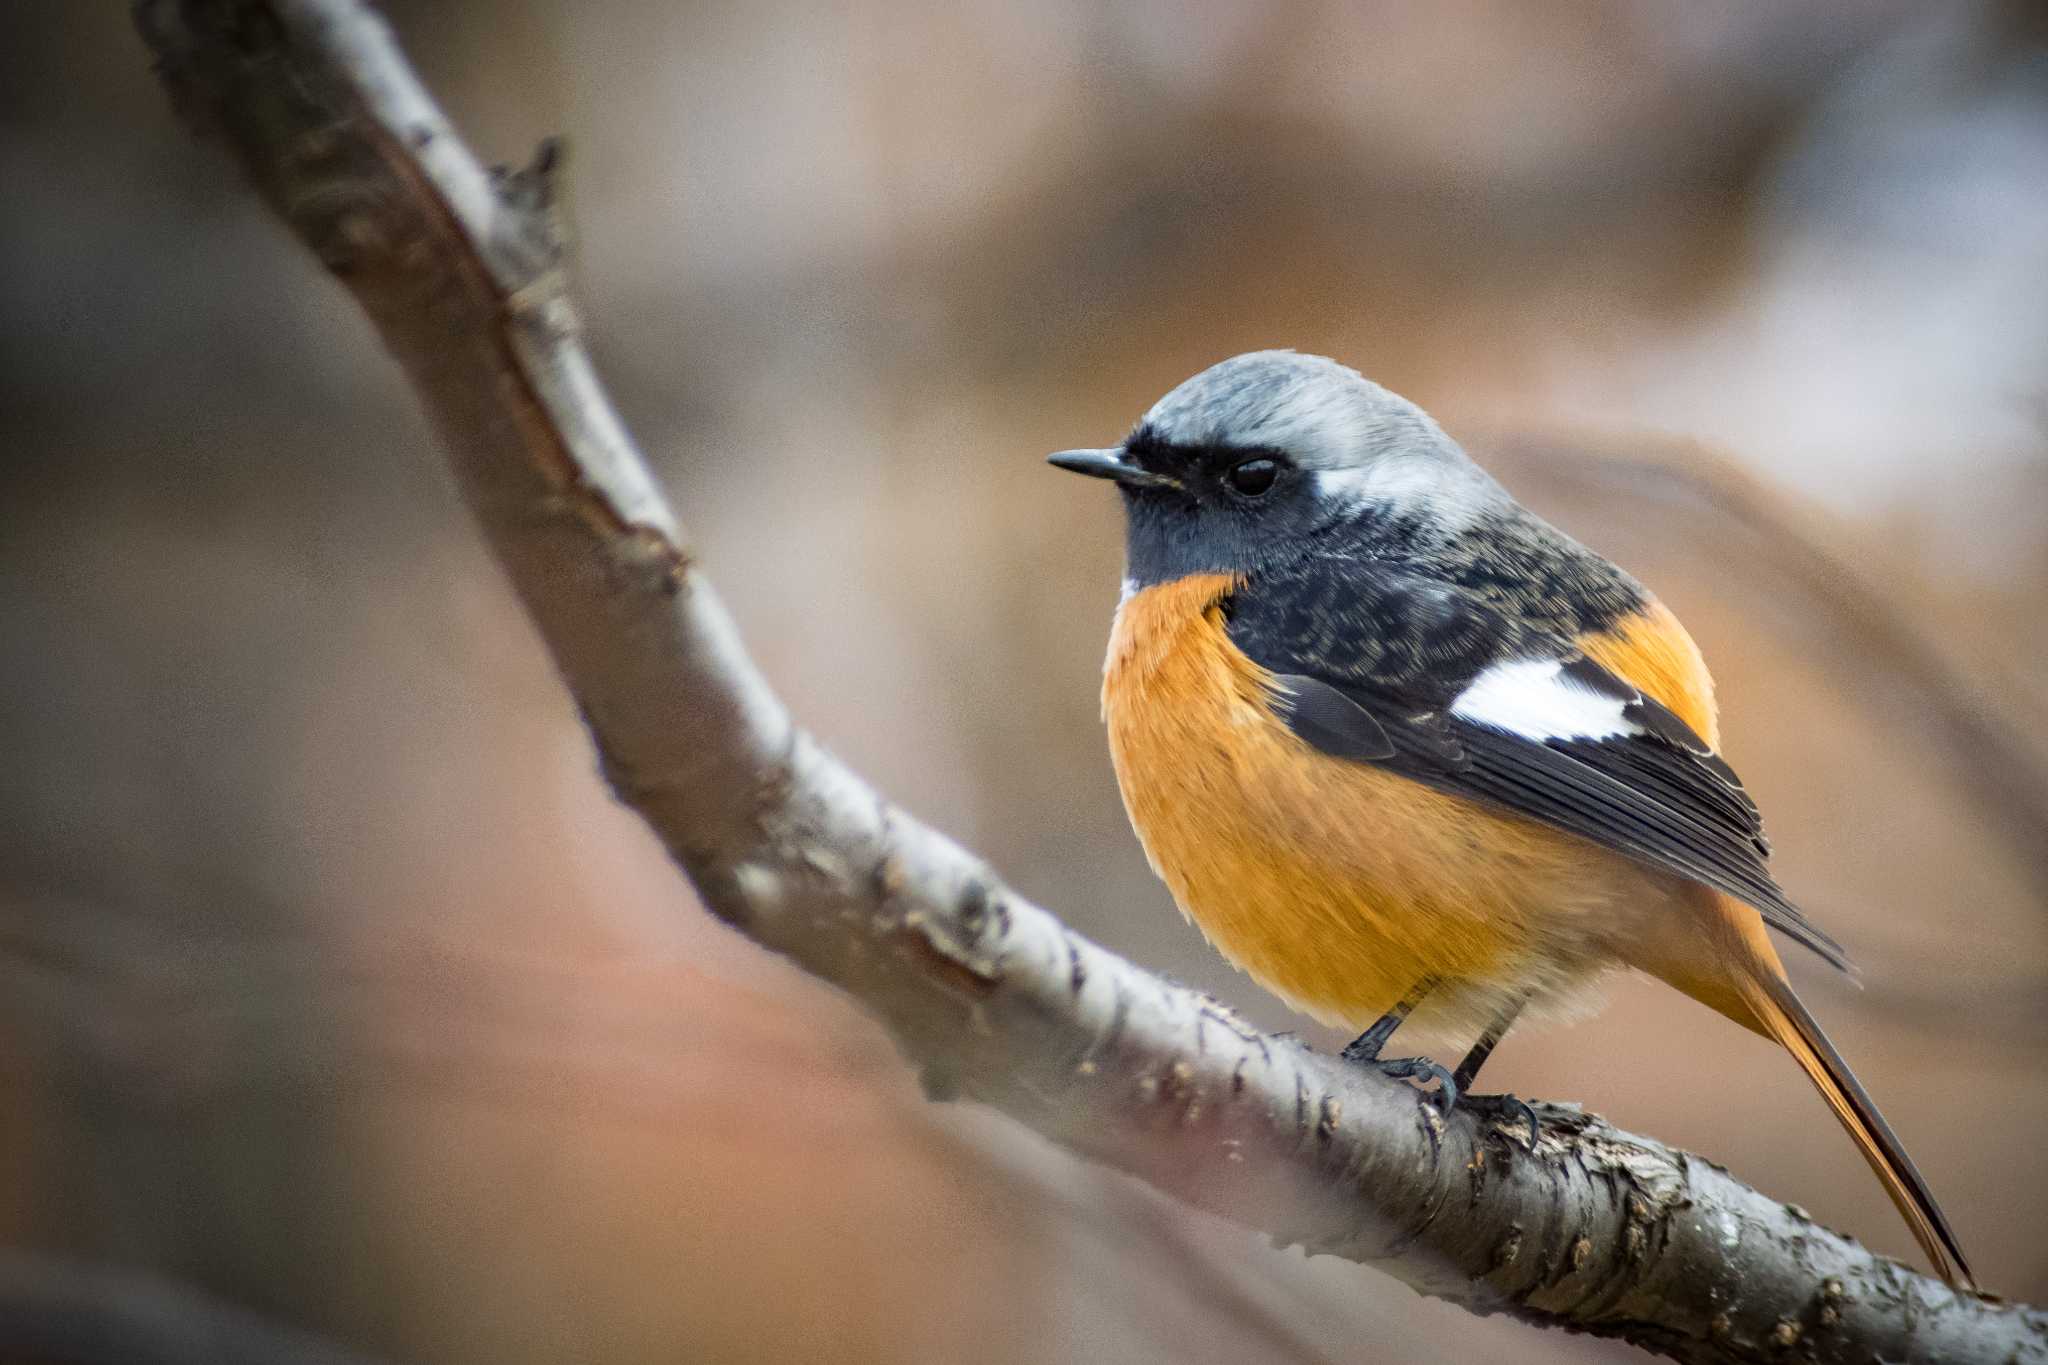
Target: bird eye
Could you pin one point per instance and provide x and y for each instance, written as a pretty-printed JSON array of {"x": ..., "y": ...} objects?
[{"x": 1253, "y": 477}]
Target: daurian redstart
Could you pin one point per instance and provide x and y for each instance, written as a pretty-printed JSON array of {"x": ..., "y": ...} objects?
[{"x": 1400, "y": 747}]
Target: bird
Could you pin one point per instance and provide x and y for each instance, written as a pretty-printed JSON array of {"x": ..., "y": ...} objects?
[{"x": 1401, "y": 749}]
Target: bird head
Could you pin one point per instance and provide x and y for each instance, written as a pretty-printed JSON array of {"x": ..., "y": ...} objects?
[{"x": 1272, "y": 455}]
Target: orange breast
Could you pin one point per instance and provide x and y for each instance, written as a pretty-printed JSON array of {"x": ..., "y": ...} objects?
[{"x": 1337, "y": 885}]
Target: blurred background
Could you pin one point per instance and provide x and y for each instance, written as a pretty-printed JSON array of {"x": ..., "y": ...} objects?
[{"x": 331, "y": 979}]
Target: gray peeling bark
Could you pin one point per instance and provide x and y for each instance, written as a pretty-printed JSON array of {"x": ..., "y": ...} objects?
[{"x": 992, "y": 998}]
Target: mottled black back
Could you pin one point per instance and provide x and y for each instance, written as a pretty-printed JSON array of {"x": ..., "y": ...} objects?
[{"x": 1383, "y": 603}]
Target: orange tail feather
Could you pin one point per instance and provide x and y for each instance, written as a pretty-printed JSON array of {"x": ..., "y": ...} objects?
[{"x": 1786, "y": 1019}]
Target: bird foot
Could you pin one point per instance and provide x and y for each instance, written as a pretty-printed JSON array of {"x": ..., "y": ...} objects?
[
  {"x": 1414, "y": 1069},
  {"x": 1449, "y": 1094},
  {"x": 1505, "y": 1107}
]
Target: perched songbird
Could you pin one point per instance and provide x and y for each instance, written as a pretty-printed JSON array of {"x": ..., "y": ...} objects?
[{"x": 1400, "y": 746}]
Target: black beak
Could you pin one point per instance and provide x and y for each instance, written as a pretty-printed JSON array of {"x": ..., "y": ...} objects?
[{"x": 1109, "y": 464}]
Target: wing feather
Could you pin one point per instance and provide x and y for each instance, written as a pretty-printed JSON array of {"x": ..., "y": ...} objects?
[{"x": 1621, "y": 769}]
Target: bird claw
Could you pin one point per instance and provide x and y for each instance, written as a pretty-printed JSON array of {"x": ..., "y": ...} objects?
[
  {"x": 1507, "y": 1107},
  {"x": 1444, "y": 1097},
  {"x": 1447, "y": 1095}
]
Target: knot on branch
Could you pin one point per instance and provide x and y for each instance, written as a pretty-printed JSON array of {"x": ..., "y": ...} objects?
[{"x": 530, "y": 232}]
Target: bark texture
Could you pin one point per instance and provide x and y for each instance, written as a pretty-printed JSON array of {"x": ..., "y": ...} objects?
[{"x": 991, "y": 998}]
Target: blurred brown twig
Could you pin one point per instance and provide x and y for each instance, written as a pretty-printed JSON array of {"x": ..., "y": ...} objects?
[
  {"x": 57, "y": 1310},
  {"x": 1995, "y": 755},
  {"x": 1594, "y": 1230}
]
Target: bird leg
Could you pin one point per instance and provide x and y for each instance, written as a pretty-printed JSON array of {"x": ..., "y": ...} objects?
[
  {"x": 1502, "y": 1105},
  {"x": 1468, "y": 1070},
  {"x": 1366, "y": 1046},
  {"x": 1365, "y": 1050}
]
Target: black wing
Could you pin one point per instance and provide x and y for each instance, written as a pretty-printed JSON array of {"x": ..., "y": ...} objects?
[{"x": 1371, "y": 671}]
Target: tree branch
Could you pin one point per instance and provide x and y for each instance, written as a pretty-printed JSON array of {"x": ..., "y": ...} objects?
[{"x": 991, "y": 997}]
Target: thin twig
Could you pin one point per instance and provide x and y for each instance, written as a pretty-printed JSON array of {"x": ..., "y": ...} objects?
[
  {"x": 1988, "y": 742},
  {"x": 83, "y": 1314}
]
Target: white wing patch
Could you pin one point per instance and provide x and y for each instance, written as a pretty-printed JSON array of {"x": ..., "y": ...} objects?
[{"x": 1535, "y": 699}]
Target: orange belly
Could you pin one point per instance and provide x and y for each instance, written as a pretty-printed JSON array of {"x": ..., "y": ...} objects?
[{"x": 1337, "y": 885}]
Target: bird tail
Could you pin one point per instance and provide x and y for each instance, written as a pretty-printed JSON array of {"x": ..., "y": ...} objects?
[{"x": 1784, "y": 1018}]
